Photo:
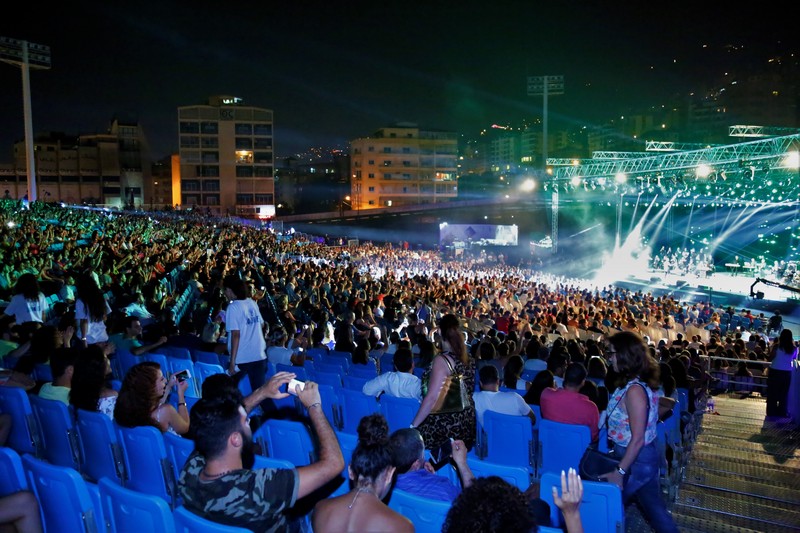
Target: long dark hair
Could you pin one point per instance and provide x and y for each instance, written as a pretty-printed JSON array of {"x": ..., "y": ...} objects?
[
  {"x": 373, "y": 454},
  {"x": 785, "y": 341},
  {"x": 88, "y": 378},
  {"x": 28, "y": 286},
  {"x": 450, "y": 328},
  {"x": 89, "y": 293},
  {"x": 513, "y": 371}
]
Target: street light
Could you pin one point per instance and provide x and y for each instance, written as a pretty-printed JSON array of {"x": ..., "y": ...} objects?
[{"x": 345, "y": 201}]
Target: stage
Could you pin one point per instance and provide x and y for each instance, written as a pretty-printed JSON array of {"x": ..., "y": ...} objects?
[{"x": 721, "y": 288}]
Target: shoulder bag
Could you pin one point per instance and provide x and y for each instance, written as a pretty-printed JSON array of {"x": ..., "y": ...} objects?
[
  {"x": 453, "y": 396},
  {"x": 595, "y": 462}
]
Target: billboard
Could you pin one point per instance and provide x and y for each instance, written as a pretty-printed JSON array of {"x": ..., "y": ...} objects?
[{"x": 469, "y": 235}]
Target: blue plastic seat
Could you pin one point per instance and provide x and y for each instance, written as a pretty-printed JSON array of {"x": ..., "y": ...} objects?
[
  {"x": 347, "y": 443},
  {"x": 355, "y": 382},
  {"x": 330, "y": 404},
  {"x": 562, "y": 445},
  {"x": 176, "y": 352},
  {"x": 123, "y": 360},
  {"x": 42, "y": 372},
  {"x": 147, "y": 463},
  {"x": 188, "y": 522},
  {"x": 101, "y": 452},
  {"x": 178, "y": 451},
  {"x": 24, "y": 437},
  {"x": 176, "y": 365},
  {"x": 299, "y": 371},
  {"x": 12, "y": 475},
  {"x": 64, "y": 500},
  {"x": 601, "y": 507},
  {"x": 131, "y": 510},
  {"x": 509, "y": 440},
  {"x": 204, "y": 370},
  {"x": 262, "y": 461},
  {"x": 160, "y": 358},
  {"x": 426, "y": 514},
  {"x": 329, "y": 374},
  {"x": 286, "y": 439},
  {"x": 370, "y": 370},
  {"x": 59, "y": 435},
  {"x": 386, "y": 363},
  {"x": 518, "y": 476},
  {"x": 399, "y": 412},
  {"x": 355, "y": 406},
  {"x": 202, "y": 356}
]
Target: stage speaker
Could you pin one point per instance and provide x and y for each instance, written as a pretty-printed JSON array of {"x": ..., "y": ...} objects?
[
  {"x": 681, "y": 282},
  {"x": 759, "y": 295}
]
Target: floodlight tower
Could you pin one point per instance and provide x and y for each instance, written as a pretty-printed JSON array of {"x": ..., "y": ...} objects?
[{"x": 26, "y": 56}]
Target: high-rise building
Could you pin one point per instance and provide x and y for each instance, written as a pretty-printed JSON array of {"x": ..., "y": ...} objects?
[
  {"x": 226, "y": 158},
  {"x": 403, "y": 165}
]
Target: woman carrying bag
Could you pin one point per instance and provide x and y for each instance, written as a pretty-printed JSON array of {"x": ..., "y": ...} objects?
[
  {"x": 632, "y": 429},
  {"x": 447, "y": 410}
]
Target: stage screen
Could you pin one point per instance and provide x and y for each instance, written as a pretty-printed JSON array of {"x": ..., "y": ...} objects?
[{"x": 468, "y": 235}]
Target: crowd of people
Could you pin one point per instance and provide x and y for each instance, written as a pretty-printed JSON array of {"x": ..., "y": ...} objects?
[{"x": 83, "y": 286}]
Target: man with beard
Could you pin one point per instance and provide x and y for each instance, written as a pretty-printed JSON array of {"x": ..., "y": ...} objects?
[{"x": 218, "y": 482}]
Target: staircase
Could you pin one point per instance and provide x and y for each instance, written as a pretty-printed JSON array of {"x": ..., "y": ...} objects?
[{"x": 743, "y": 474}]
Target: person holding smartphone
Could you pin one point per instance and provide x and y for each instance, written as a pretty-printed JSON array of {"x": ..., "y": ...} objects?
[{"x": 417, "y": 476}]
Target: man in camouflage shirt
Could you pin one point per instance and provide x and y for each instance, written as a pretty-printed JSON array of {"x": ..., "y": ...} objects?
[{"x": 217, "y": 481}]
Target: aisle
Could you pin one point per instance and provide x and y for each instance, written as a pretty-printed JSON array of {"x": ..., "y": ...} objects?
[{"x": 743, "y": 474}]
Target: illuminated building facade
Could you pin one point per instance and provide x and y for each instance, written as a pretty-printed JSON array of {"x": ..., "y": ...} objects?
[{"x": 226, "y": 158}]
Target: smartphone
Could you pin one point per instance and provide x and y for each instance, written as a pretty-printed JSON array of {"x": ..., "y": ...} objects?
[
  {"x": 442, "y": 453},
  {"x": 183, "y": 375},
  {"x": 290, "y": 387}
]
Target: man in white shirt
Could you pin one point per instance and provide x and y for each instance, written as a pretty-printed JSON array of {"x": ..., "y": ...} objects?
[
  {"x": 489, "y": 398},
  {"x": 401, "y": 383}
]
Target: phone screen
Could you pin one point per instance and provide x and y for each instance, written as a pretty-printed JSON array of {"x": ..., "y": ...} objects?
[
  {"x": 442, "y": 453},
  {"x": 183, "y": 375},
  {"x": 290, "y": 387}
]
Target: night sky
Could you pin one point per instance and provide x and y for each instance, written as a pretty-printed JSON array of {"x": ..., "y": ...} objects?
[{"x": 335, "y": 71}]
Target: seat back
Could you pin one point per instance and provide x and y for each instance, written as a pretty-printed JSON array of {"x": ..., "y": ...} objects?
[
  {"x": 124, "y": 360},
  {"x": 329, "y": 374},
  {"x": 59, "y": 435},
  {"x": 426, "y": 514},
  {"x": 161, "y": 359},
  {"x": 516, "y": 475},
  {"x": 146, "y": 461},
  {"x": 131, "y": 510},
  {"x": 355, "y": 382},
  {"x": 347, "y": 443},
  {"x": 262, "y": 461},
  {"x": 509, "y": 440},
  {"x": 202, "y": 356},
  {"x": 178, "y": 364},
  {"x": 386, "y": 363},
  {"x": 101, "y": 452},
  {"x": 24, "y": 436},
  {"x": 355, "y": 406},
  {"x": 188, "y": 522},
  {"x": 287, "y": 439},
  {"x": 176, "y": 352},
  {"x": 42, "y": 372},
  {"x": 370, "y": 370},
  {"x": 64, "y": 501},
  {"x": 399, "y": 412},
  {"x": 12, "y": 475},
  {"x": 562, "y": 445},
  {"x": 178, "y": 451},
  {"x": 330, "y": 405},
  {"x": 203, "y": 370},
  {"x": 299, "y": 371},
  {"x": 601, "y": 507}
]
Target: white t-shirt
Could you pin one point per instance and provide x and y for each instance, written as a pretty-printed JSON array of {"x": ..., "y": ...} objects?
[
  {"x": 507, "y": 403},
  {"x": 96, "y": 331},
  {"x": 397, "y": 384},
  {"x": 27, "y": 310},
  {"x": 245, "y": 317}
]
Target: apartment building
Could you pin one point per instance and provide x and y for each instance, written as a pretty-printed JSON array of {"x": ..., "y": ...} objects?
[
  {"x": 402, "y": 165},
  {"x": 226, "y": 158}
]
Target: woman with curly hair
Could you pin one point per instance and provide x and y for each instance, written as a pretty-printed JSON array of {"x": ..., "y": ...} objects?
[
  {"x": 143, "y": 400},
  {"x": 493, "y": 505},
  {"x": 91, "y": 311},
  {"x": 371, "y": 471},
  {"x": 91, "y": 374}
]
